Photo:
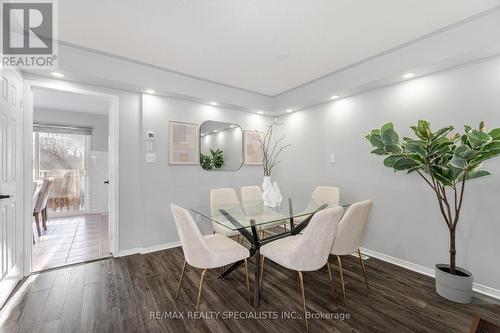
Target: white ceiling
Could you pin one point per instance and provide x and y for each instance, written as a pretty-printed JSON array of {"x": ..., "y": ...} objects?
[
  {"x": 263, "y": 46},
  {"x": 67, "y": 101}
]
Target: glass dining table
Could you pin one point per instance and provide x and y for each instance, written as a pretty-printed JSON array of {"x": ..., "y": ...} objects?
[{"x": 248, "y": 217}]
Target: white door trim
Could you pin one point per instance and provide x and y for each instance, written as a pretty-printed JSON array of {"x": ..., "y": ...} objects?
[{"x": 114, "y": 126}]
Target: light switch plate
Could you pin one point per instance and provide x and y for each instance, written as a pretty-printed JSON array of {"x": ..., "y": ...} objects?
[
  {"x": 332, "y": 158},
  {"x": 149, "y": 145},
  {"x": 151, "y": 158}
]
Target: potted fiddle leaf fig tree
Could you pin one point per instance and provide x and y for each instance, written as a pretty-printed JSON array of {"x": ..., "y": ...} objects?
[{"x": 446, "y": 161}]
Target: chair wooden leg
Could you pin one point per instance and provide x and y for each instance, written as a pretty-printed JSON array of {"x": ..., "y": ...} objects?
[
  {"x": 261, "y": 278},
  {"x": 301, "y": 279},
  {"x": 247, "y": 281},
  {"x": 331, "y": 282},
  {"x": 199, "y": 290},
  {"x": 363, "y": 268},
  {"x": 180, "y": 281},
  {"x": 37, "y": 222},
  {"x": 342, "y": 278}
]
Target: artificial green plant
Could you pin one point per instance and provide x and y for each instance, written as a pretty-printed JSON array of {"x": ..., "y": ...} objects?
[{"x": 443, "y": 159}]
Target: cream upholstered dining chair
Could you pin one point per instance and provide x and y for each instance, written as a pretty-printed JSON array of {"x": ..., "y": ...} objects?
[
  {"x": 349, "y": 234},
  {"x": 37, "y": 187},
  {"x": 326, "y": 193},
  {"x": 254, "y": 194},
  {"x": 205, "y": 252},
  {"x": 308, "y": 251},
  {"x": 40, "y": 207},
  {"x": 223, "y": 197}
]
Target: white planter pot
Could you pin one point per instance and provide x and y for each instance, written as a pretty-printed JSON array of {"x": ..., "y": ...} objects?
[{"x": 456, "y": 288}]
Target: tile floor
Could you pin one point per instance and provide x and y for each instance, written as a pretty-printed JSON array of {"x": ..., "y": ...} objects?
[{"x": 69, "y": 240}]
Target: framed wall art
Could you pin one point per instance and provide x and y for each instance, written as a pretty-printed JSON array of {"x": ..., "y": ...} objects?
[
  {"x": 183, "y": 143},
  {"x": 252, "y": 149}
]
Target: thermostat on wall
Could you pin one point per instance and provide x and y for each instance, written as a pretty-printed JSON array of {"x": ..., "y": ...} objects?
[{"x": 150, "y": 135}]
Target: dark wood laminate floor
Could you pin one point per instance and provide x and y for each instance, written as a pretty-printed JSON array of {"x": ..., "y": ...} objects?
[{"x": 118, "y": 295}]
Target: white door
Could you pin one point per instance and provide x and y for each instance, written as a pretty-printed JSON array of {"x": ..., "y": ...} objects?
[
  {"x": 10, "y": 185},
  {"x": 99, "y": 176}
]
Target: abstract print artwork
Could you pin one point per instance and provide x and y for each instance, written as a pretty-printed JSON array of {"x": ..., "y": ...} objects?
[
  {"x": 183, "y": 143},
  {"x": 253, "y": 151}
]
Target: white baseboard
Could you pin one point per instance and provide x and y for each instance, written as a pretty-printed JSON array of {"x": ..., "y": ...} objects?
[
  {"x": 128, "y": 252},
  {"x": 160, "y": 247},
  {"x": 485, "y": 290},
  {"x": 144, "y": 250}
]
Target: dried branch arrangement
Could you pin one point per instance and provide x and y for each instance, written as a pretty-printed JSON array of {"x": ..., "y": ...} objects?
[{"x": 271, "y": 150}]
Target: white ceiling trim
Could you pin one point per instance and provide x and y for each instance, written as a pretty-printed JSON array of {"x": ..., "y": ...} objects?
[
  {"x": 469, "y": 40},
  {"x": 399, "y": 47},
  {"x": 240, "y": 44}
]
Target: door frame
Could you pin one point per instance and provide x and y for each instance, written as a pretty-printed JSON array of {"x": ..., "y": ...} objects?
[{"x": 27, "y": 152}]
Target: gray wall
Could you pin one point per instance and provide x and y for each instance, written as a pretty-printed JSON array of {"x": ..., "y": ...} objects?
[
  {"x": 185, "y": 185},
  {"x": 405, "y": 222},
  {"x": 62, "y": 117}
]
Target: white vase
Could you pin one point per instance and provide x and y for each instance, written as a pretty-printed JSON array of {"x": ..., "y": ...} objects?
[
  {"x": 277, "y": 194},
  {"x": 271, "y": 195}
]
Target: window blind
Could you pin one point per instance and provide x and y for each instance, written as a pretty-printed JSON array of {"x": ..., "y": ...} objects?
[{"x": 61, "y": 129}]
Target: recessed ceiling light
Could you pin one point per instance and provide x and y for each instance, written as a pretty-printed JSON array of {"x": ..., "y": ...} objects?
[
  {"x": 232, "y": 126},
  {"x": 334, "y": 97},
  {"x": 215, "y": 131},
  {"x": 150, "y": 91},
  {"x": 408, "y": 75},
  {"x": 260, "y": 112},
  {"x": 56, "y": 74},
  {"x": 214, "y": 103},
  {"x": 288, "y": 110}
]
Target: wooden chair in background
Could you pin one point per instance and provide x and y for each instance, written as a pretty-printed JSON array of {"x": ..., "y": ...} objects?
[{"x": 40, "y": 207}]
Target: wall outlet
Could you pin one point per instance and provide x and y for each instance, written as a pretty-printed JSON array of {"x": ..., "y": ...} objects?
[{"x": 332, "y": 158}]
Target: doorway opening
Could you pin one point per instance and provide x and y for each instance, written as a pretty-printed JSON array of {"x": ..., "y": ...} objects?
[{"x": 70, "y": 178}]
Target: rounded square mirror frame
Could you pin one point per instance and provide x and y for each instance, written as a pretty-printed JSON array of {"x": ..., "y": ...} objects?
[{"x": 221, "y": 146}]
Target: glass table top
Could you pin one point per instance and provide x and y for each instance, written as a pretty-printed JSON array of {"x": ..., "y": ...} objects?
[{"x": 244, "y": 215}]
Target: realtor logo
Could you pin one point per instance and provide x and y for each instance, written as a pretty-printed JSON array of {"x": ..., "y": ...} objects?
[{"x": 28, "y": 34}]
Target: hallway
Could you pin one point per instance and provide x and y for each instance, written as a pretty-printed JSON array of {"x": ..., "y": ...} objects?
[{"x": 69, "y": 240}]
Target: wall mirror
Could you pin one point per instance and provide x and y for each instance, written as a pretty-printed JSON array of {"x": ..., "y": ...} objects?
[{"x": 221, "y": 146}]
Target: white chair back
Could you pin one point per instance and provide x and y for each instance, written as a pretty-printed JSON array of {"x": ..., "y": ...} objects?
[
  {"x": 313, "y": 248},
  {"x": 351, "y": 228},
  {"x": 37, "y": 186},
  {"x": 223, "y": 196},
  {"x": 196, "y": 251},
  {"x": 326, "y": 193},
  {"x": 41, "y": 201},
  {"x": 251, "y": 194}
]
